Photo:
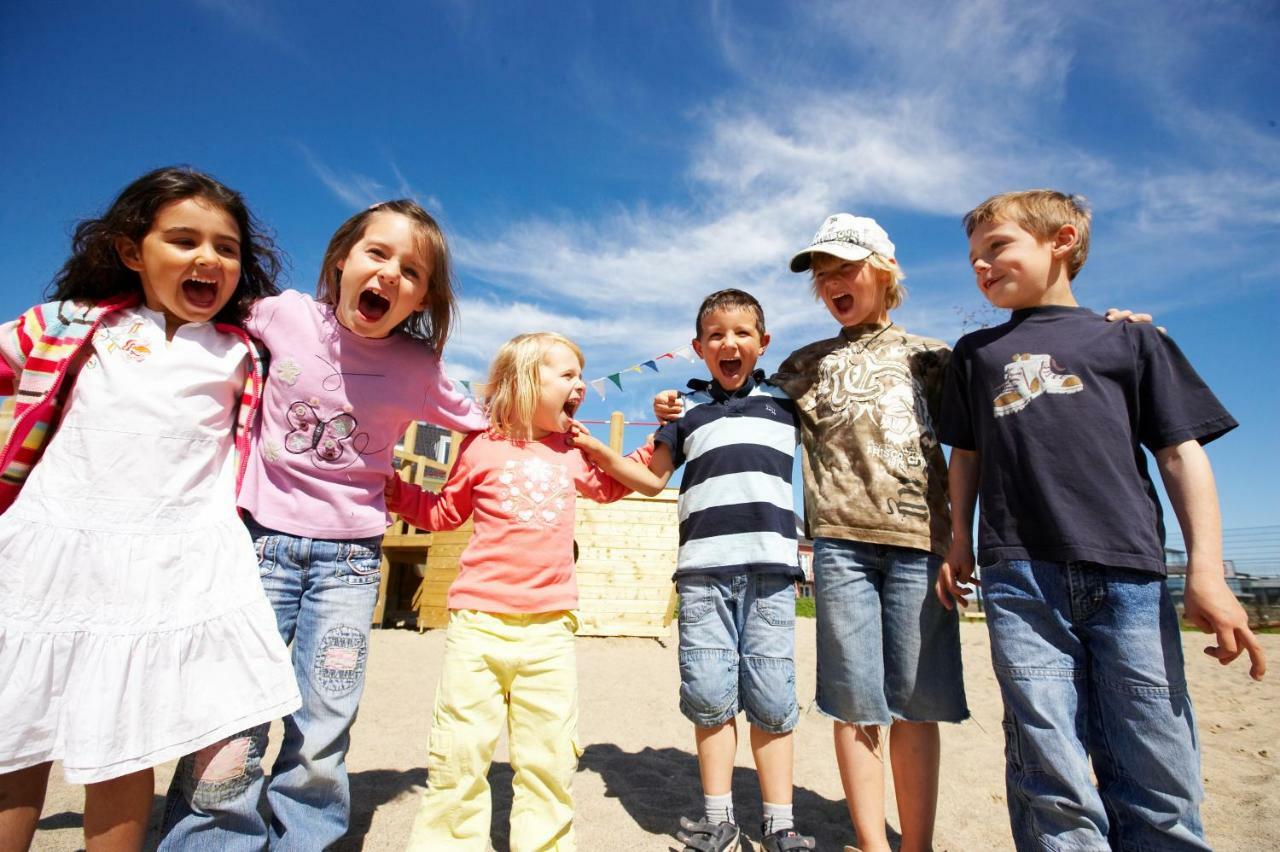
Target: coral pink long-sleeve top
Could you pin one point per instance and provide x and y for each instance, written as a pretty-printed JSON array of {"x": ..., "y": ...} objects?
[{"x": 521, "y": 494}]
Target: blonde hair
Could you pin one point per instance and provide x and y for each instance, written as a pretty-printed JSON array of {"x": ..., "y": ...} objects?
[
  {"x": 1040, "y": 212},
  {"x": 431, "y": 325},
  {"x": 894, "y": 294},
  {"x": 514, "y": 384}
]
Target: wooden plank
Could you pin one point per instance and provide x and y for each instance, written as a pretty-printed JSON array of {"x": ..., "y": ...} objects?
[
  {"x": 641, "y": 607},
  {"x": 591, "y": 596}
]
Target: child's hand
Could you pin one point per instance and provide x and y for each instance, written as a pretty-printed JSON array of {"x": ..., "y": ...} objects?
[
  {"x": 667, "y": 405},
  {"x": 391, "y": 491},
  {"x": 581, "y": 438},
  {"x": 1209, "y": 605},
  {"x": 1123, "y": 315},
  {"x": 955, "y": 575}
]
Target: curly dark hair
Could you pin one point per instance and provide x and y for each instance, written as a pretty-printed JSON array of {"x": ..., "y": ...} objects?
[
  {"x": 432, "y": 325},
  {"x": 94, "y": 271}
]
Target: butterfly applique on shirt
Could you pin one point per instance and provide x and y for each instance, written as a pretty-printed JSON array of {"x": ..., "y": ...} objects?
[{"x": 311, "y": 433}]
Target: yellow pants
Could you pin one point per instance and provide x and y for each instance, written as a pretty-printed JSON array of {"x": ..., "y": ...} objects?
[{"x": 520, "y": 670}]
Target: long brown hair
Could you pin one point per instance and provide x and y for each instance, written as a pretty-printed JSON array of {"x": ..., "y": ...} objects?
[{"x": 94, "y": 271}]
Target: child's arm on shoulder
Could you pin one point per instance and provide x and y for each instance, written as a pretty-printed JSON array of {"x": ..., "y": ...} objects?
[
  {"x": 667, "y": 405},
  {"x": 957, "y": 569},
  {"x": 1125, "y": 315},
  {"x": 1207, "y": 603},
  {"x": 627, "y": 470}
]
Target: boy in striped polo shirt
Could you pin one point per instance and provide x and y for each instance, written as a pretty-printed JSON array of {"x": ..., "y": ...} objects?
[{"x": 736, "y": 568}]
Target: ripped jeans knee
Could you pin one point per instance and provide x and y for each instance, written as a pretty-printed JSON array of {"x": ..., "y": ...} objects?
[{"x": 225, "y": 770}]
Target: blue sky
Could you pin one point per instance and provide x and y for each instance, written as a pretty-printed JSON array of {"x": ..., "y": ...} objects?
[{"x": 600, "y": 167}]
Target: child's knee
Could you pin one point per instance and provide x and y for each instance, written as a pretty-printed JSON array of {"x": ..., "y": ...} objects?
[
  {"x": 708, "y": 685},
  {"x": 769, "y": 693},
  {"x": 340, "y": 660},
  {"x": 225, "y": 770}
]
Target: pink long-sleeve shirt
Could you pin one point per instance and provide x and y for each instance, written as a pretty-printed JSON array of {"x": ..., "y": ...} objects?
[
  {"x": 334, "y": 407},
  {"x": 520, "y": 557}
]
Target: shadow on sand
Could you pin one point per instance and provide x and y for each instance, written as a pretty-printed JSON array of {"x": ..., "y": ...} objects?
[
  {"x": 654, "y": 785},
  {"x": 658, "y": 785}
]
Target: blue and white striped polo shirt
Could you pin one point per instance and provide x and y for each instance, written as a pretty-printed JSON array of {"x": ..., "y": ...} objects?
[{"x": 735, "y": 498}]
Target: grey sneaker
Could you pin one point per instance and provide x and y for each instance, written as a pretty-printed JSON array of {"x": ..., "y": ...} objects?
[
  {"x": 788, "y": 840},
  {"x": 703, "y": 836}
]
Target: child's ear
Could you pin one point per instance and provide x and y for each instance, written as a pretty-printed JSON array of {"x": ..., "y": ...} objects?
[
  {"x": 697, "y": 346},
  {"x": 129, "y": 253},
  {"x": 1065, "y": 240},
  {"x": 764, "y": 342}
]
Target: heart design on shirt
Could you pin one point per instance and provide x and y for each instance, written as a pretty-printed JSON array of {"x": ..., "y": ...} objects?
[{"x": 540, "y": 496}]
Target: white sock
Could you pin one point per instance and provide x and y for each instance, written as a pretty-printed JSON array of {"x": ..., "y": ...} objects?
[
  {"x": 718, "y": 808},
  {"x": 777, "y": 818}
]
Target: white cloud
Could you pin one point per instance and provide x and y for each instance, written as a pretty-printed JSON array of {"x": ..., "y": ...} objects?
[{"x": 358, "y": 190}]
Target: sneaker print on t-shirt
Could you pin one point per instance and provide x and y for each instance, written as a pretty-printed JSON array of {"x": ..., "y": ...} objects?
[{"x": 1028, "y": 377}]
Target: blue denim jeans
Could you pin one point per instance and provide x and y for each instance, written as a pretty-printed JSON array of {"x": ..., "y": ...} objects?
[
  {"x": 1089, "y": 662},
  {"x": 323, "y": 593},
  {"x": 738, "y": 649},
  {"x": 887, "y": 649}
]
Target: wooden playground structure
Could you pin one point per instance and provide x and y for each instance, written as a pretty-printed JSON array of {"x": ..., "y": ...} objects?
[{"x": 626, "y": 554}]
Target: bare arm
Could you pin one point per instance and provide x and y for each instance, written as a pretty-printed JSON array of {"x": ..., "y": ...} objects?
[
  {"x": 957, "y": 568},
  {"x": 1208, "y": 603},
  {"x": 647, "y": 480}
]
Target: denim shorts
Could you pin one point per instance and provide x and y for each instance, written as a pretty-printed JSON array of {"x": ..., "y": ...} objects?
[
  {"x": 887, "y": 649},
  {"x": 738, "y": 649}
]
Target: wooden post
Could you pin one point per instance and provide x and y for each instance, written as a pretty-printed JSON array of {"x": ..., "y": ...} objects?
[{"x": 615, "y": 431}]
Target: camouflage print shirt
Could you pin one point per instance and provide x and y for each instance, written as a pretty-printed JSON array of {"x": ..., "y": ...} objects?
[{"x": 873, "y": 468}]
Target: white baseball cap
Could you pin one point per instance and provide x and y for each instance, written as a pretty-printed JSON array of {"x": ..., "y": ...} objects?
[{"x": 845, "y": 236}]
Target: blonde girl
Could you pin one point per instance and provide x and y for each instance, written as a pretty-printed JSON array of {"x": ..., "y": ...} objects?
[
  {"x": 133, "y": 628},
  {"x": 509, "y": 654},
  {"x": 350, "y": 369}
]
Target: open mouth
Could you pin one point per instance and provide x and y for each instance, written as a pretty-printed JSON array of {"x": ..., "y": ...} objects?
[
  {"x": 731, "y": 366},
  {"x": 843, "y": 303},
  {"x": 571, "y": 407},
  {"x": 200, "y": 294},
  {"x": 372, "y": 306}
]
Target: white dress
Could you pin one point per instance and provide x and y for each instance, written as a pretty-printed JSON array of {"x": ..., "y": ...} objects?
[{"x": 133, "y": 626}]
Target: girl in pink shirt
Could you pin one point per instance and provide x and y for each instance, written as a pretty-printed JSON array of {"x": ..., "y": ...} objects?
[
  {"x": 349, "y": 371},
  {"x": 509, "y": 655}
]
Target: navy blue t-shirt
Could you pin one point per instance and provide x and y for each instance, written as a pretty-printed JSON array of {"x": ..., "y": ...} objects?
[{"x": 1060, "y": 402}]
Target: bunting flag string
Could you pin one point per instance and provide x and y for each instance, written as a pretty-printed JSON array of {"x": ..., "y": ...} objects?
[{"x": 601, "y": 384}]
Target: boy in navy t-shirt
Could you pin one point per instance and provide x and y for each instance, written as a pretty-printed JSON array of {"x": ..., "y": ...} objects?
[{"x": 1047, "y": 416}]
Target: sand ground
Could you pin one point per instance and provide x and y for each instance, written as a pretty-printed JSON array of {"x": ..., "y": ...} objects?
[{"x": 638, "y": 772}]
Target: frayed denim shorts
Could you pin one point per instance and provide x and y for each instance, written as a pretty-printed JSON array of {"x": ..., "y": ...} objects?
[{"x": 887, "y": 649}]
